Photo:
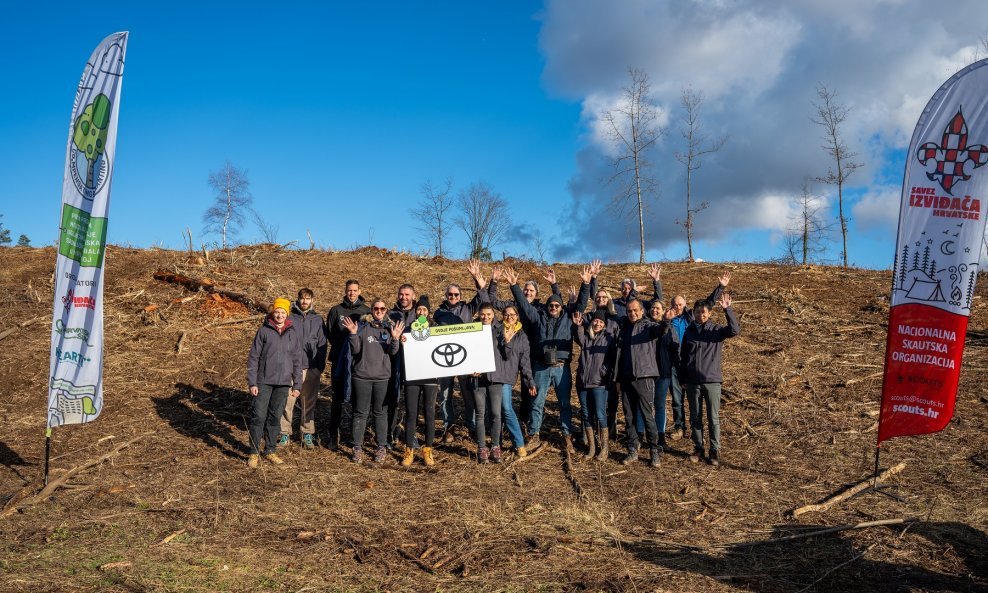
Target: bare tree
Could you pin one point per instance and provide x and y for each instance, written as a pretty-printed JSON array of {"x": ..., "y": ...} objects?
[
  {"x": 830, "y": 115},
  {"x": 806, "y": 227},
  {"x": 697, "y": 146},
  {"x": 633, "y": 127},
  {"x": 231, "y": 203},
  {"x": 432, "y": 213},
  {"x": 269, "y": 230},
  {"x": 483, "y": 217}
]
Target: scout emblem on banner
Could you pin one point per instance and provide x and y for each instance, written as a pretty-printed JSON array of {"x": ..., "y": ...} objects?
[
  {"x": 75, "y": 384},
  {"x": 941, "y": 225}
]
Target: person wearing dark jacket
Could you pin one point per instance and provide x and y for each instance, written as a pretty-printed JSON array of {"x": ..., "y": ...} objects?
[
  {"x": 274, "y": 371},
  {"x": 313, "y": 336},
  {"x": 637, "y": 370},
  {"x": 554, "y": 351},
  {"x": 667, "y": 351},
  {"x": 513, "y": 352},
  {"x": 700, "y": 372},
  {"x": 453, "y": 311},
  {"x": 353, "y": 308},
  {"x": 424, "y": 390},
  {"x": 404, "y": 311},
  {"x": 593, "y": 376},
  {"x": 373, "y": 343},
  {"x": 683, "y": 317}
]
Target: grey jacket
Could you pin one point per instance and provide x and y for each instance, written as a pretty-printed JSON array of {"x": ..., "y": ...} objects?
[
  {"x": 372, "y": 348},
  {"x": 702, "y": 347},
  {"x": 637, "y": 349},
  {"x": 275, "y": 358},
  {"x": 313, "y": 337},
  {"x": 597, "y": 357},
  {"x": 510, "y": 358}
]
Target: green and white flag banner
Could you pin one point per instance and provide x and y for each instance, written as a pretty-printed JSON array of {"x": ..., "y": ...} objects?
[{"x": 75, "y": 384}]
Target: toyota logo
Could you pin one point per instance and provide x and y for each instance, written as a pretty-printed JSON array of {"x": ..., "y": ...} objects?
[{"x": 449, "y": 355}]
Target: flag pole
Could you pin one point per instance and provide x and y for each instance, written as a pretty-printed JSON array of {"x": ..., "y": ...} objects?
[{"x": 47, "y": 452}]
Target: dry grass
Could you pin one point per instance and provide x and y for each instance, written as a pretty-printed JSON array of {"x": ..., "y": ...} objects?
[{"x": 799, "y": 423}]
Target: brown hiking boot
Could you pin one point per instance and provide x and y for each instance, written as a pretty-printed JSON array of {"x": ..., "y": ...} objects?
[
  {"x": 715, "y": 457},
  {"x": 408, "y": 457},
  {"x": 534, "y": 441},
  {"x": 603, "y": 454},
  {"x": 568, "y": 443},
  {"x": 253, "y": 460},
  {"x": 591, "y": 448},
  {"x": 521, "y": 452},
  {"x": 677, "y": 434},
  {"x": 427, "y": 456},
  {"x": 696, "y": 456},
  {"x": 273, "y": 458},
  {"x": 631, "y": 457}
]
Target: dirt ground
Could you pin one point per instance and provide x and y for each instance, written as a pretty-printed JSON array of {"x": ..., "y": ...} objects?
[{"x": 178, "y": 510}]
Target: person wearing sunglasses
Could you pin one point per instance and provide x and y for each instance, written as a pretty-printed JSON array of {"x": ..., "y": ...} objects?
[
  {"x": 373, "y": 342},
  {"x": 554, "y": 351},
  {"x": 453, "y": 311}
]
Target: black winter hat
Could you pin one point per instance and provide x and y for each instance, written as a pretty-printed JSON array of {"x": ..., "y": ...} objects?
[
  {"x": 599, "y": 314},
  {"x": 555, "y": 298},
  {"x": 423, "y": 302}
]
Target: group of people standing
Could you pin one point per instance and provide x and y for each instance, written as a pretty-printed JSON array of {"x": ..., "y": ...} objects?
[{"x": 633, "y": 352}]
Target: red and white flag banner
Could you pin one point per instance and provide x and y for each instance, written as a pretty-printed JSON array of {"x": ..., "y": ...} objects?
[{"x": 941, "y": 225}]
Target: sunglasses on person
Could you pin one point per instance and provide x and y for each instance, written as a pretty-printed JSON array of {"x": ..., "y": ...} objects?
[
  {"x": 452, "y": 294},
  {"x": 380, "y": 309}
]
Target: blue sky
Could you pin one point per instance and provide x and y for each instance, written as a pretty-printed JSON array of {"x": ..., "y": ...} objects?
[{"x": 340, "y": 111}]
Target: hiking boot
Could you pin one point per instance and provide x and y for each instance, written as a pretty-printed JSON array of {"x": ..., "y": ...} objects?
[
  {"x": 334, "y": 441},
  {"x": 448, "y": 435},
  {"x": 253, "y": 460},
  {"x": 308, "y": 442},
  {"x": 603, "y": 454},
  {"x": 715, "y": 457},
  {"x": 380, "y": 454},
  {"x": 358, "y": 455},
  {"x": 496, "y": 454},
  {"x": 482, "y": 455},
  {"x": 521, "y": 452},
  {"x": 534, "y": 441},
  {"x": 568, "y": 443},
  {"x": 273, "y": 458},
  {"x": 656, "y": 457},
  {"x": 427, "y": 456},
  {"x": 696, "y": 456},
  {"x": 677, "y": 434},
  {"x": 631, "y": 457},
  {"x": 591, "y": 449},
  {"x": 408, "y": 457},
  {"x": 282, "y": 440}
]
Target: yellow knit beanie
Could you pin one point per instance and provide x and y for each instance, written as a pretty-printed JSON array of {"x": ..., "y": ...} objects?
[{"x": 282, "y": 303}]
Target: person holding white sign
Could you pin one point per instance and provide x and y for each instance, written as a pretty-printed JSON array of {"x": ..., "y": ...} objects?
[
  {"x": 372, "y": 344},
  {"x": 424, "y": 390}
]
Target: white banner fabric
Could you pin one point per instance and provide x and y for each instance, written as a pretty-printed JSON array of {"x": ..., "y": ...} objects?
[
  {"x": 75, "y": 386},
  {"x": 448, "y": 351}
]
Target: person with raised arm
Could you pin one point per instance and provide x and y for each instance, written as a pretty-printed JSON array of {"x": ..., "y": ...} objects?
[
  {"x": 703, "y": 344},
  {"x": 594, "y": 374},
  {"x": 554, "y": 350}
]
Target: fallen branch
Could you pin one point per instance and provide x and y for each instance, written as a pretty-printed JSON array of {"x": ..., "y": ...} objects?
[
  {"x": 538, "y": 451},
  {"x": 842, "y": 496},
  {"x": 411, "y": 557},
  {"x": 208, "y": 286},
  {"x": 19, "y": 326},
  {"x": 53, "y": 485}
]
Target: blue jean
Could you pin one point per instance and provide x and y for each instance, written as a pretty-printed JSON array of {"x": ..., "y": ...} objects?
[
  {"x": 510, "y": 418},
  {"x": 266, "y": 409},
  {"x": 561, "y": 380},
  {"x": 678, "y": 417},
  {"x": 661, "y": 391},
  {"x": 593, "y": 399}
]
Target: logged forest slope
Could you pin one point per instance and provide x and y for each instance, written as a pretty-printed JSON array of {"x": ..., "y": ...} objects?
[{"x": 177, "y": 509}]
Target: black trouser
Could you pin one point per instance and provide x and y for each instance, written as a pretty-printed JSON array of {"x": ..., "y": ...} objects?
[
  {"x": 641, "y": 398},
  {"x": 394, "y": 407},
  {"x": 484, "y": 393},
  {"x": 629, "y": 408},
  {"x": 266, "y": 409},
  {"x": 427, "y": 394},
  {"x": 368, "y": 394}
]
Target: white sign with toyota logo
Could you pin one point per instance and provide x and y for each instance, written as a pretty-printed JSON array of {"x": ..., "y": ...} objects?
[{"x": 448, "y": 350}]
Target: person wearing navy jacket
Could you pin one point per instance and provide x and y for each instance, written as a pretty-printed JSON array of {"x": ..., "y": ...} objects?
[
  {"x": 373, "y": 343},
  {"x": 593, "y": 377},
  {"x": 274, "y": 371},
  {"x": 683, "y": 317},
  {"x": 353, "y": 307},
  {"x": 700, "y": 372},
  {"x": 553, "y": 350}
]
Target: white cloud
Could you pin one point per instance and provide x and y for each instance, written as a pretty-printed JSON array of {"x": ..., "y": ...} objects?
[
  {"x": 878, "y": 209},
  {"x": 758, "y": 66}
]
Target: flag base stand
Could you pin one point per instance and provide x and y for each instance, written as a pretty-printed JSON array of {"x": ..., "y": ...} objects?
[
  {"x": 877, "y": 487},
  {"x": 47, "y": 452}
]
